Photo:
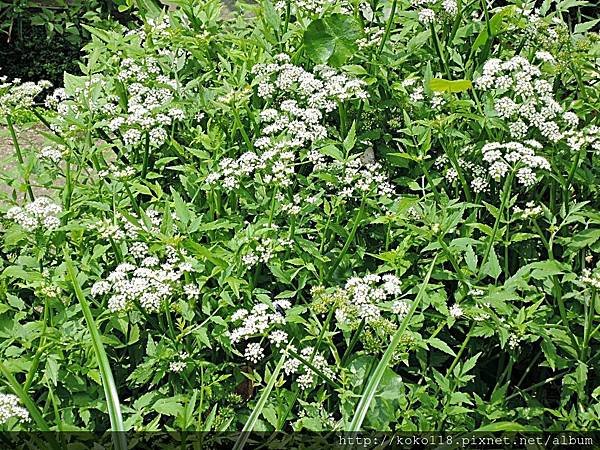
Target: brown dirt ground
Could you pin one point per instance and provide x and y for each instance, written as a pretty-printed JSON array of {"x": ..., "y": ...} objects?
[{"x": 30, "y": 139}]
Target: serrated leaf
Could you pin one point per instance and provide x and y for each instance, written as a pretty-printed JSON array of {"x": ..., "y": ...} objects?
[
  {"x": 471, "y": 259},
  {"x": 492, "y": 267},
  {"x": 440, "y": 345},
  {"x": 167, "y": 406}
]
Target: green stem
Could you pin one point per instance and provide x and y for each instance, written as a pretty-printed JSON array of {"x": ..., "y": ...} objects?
[
  {"x": 17, "y": 147},
  {"x": 312, "y": 367},
  {"x": 388, "y": 27},
  {"x": 312, "y": 357},
  {"x": 534, "y": 386},
  {"x": 146, "y": 156},
  {"x": 353, "y": 342},
  {"x": 438, "y": 50},
  {"x": 505, "y": 194},
  {"x": 357, "y": 221},
  {"x": 34, "y": 411},
  {"x": 461, "y": 350}
]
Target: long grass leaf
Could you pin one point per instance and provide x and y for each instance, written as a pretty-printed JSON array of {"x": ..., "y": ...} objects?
[
  {"x": 374, "y": 380},
  {"x": 258, "y": 409},
  {"x": 34, "y": 411},
  {"x": 108, "y": 381}
]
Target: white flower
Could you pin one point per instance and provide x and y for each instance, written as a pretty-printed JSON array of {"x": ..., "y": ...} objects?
[
  {"x": 455, "y": 311},
  {"x": 278, "y": 338},
  {"x": 192, "y": 291},
  {"x": 401, "y": 307},
  {"x": 179, "y": 364},
  {"x": 426, "y": 16},
  {"x": 591, "y": 279},
  {"x": 254, "y": 352},
  {"x": 10, "y": 407},
  {"x": 450, "y": 7},
  {"x": 52, "y": 154},
  {"x": 100, "y": 288},
  {"x": 41, "y": 214}
]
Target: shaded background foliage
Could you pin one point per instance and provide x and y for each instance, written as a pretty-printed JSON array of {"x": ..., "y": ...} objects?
[{"x": 42, "y": 39}]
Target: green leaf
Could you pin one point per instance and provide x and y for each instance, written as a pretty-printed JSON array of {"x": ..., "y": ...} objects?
[
  {"x": 333, "y": 151},
  {"x": 502, "y": 426},
  {"x": 108, "y": 381},
  {"x": 440, "y": 85},
  {"x": 584, "y": 238},
  {"x": 585, "y": 26},
  {"x": 181, "y": 208},
  {"x": 332, "y": 39},
  {"x": 260, "y": 406},
  {"x": 471, "y": 259},
  {"x": 350, "y": 139},
  {"x": 34, "y": 411},
  {"x": 549, "y": 350},
  {"x": 168, "y": 407},
  {"x": 492, "y": 267},
  {"x": 494, "y": 24},
  {"x": 270, "y": 414},
  {"x": 440, "y": 345}
]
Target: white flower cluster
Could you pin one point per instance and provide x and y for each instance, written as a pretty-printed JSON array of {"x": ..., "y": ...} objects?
[
  {"x": 355, "y": 177},
  {"x": 53, "y": 154},
  {"x": 478, "y": 173},
  {"x": 115, "y": 172},
  {"x": 150, "y": 107},
  {"x": 150, "y": 91},
  {"x": 373, "y": 37},
  {"x": 10, "y": 407},
  {"x": 514, "y": 341},
  {"x": 587, "y": 137},
  {"x": 530, "y": 210},
  {"x": 299, "y": 101},
  {"x": 416, "y": 93},
  {"x": 15, "y": 95},
  {"x": 73, "y": 108},
  {"x": 264, "y": 250},
  {"x": 526, "y": 99},
  {"x": 590, "y": 279},
  {"x": 539, "y": 32},
  {"x": 258, "y": 321},
  {"x": 362, "y": 298},
  {"x": 501, "y": 158},
  {"x": 149, "y": 282},
  {"x": 307, "y": 375},
  {"x": 307, "y": 6},
  {"x": 427, "y": 10},
  {"x": 179, "y": 363},
  {"x": 41, "y": 214},
  {"x": 455, "y": 311},
  {"x": 294, "y": 206}
]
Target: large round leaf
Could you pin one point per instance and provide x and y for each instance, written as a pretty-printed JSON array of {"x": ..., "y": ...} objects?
[{"x": 332, "y": 39}]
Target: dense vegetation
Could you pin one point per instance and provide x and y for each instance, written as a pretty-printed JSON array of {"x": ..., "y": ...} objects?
[{"x": 309, "y": 215}]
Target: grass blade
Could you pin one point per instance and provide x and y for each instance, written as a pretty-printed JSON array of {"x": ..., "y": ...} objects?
[
  {"x": 108, "y": 382},
  {"x": 251, "y": 422},
  {"x": 34, "y": 411},
  {"x": 373, "y": 383}
]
